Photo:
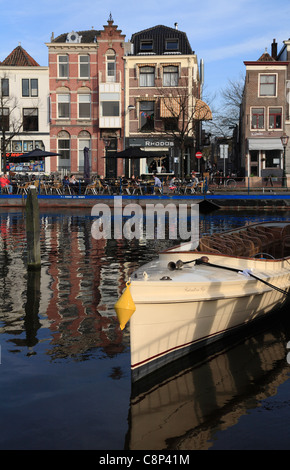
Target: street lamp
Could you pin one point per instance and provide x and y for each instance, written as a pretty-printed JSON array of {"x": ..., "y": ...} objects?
[{"x": 284, "y": 140}]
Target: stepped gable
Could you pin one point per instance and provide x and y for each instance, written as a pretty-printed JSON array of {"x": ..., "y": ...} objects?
[
  {"x": 159, "y": 33},
  {"x": 19, "y": 58}
]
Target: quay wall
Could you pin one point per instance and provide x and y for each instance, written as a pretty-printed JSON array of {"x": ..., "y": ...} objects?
[{"x": 222, "y": 201}]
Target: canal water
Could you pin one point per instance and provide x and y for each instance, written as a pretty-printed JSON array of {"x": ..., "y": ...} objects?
[{"x": 65, "y": 366}]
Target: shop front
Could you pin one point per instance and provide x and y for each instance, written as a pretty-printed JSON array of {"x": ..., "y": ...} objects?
[
  {"x": 265, "y": 157},
  {"x": 161, "y": 156}
]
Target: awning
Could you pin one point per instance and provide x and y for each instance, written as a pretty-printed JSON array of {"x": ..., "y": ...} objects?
[
  {"x": 202, "y": 111},
  {"x": 265, "y": 144},
  {"x": 169, "y": 107}
]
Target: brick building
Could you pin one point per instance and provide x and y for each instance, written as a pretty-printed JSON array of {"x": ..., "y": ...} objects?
[
  {"x": 264, "y": 115},
  {"x": 162, "y": 90},
  {"x": 86, "y": 83}
]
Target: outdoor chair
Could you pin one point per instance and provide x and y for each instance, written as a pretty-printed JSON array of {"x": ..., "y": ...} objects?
[
  {"x": 137, "y": 189},
  {"x": 103, "y": 188},
  {"x": 22, "y": 188},
  {"x": 91, "y": 188},
  {"x": 66, "y": 189},
  {"x": 56, "y": 188},
  {"x": 158, "y": 189}
]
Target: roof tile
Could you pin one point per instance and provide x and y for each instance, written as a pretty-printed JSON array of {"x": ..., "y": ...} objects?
[{"x": 19, "y": 58}]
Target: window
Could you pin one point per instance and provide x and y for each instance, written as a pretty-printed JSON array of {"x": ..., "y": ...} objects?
[
  {"x": 267, "y": 85},
  {"x": 110, "y": 108},
  {"x": 63, "y": 106},
  {"x": 275, "y": 118},
  {"x": 171, "y": 45},
  {"x": 4, "y": 87},
  {"x": 16, "y": 146},
  {"x": 170, "y": 75},
  {"x": 273, "y": 158},
  {"x": 146, "y": 45},
  {"x": 257, "y": 118},
  {"x": 30, "y": 119},
  {"x": 111, "y": 65},
  {"x": 146, "y": 116},
  {"x": 84, "y": 66},
  {"x": 4, "y": 119},
  {"x": 29, "y": 87},
  {"x": 62, "y": 66},
  {"x": 147, "y": 75},
  {"x": 64, "y": 150},
  {"x": 84, "y": 106},
  {"x": 27, "y": 145}
]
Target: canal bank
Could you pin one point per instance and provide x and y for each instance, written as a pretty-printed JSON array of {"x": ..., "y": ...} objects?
[{"x": 227, "y": 201}]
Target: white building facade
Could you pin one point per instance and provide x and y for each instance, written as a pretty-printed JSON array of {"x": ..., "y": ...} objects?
[{"x": 24, "y": 109}]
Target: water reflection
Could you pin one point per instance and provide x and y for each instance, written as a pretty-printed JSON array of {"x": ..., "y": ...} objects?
[
  {"x": 185, "y": 410},
  {"x": 81, "y": 278},
  {"x": 64, "y": 317}
]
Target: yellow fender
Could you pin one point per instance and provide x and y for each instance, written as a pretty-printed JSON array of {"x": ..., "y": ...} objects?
[{"x": 125, "y": 307}]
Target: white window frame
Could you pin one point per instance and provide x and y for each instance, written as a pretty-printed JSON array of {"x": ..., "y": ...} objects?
[
  {"x": 84, "y": 99},
  {"x": 264, "y": 118},
  {"x": 115, "y": 104},
  {"x": 66, "y": 150},
  {"x": 146, "y": 78},
  {"x": 276, "y": 114},
  {"x": 63, "y": 98},
  {"x": 276, "y": 84},
  {"x": 62, "y": 66},
  {"x": 110, "y": 65},
  {"x": 172, "y": 76},
  {"x": 84, "y": 66}
]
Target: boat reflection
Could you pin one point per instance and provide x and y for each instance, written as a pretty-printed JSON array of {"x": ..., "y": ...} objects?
[{"x": 185, "y": 406}]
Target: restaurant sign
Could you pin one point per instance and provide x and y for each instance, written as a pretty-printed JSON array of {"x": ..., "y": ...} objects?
[{"x": 158, "y": 143}]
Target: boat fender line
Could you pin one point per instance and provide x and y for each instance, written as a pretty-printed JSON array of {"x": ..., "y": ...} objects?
[
  {"x": 249, "y": 273},
  {"x": 205, "y": 261},
  {"x": 125, "y": 307},
  {"x": 246, "y": 272}
]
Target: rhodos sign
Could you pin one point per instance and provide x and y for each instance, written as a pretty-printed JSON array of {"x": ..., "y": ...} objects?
[{"x": 111, "y": 225}]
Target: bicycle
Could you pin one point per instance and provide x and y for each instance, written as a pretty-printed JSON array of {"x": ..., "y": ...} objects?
[{"x": 231, "y": 183}]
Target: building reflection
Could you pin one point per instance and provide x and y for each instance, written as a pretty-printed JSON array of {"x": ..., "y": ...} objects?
[{"x": 80, "y": 280}]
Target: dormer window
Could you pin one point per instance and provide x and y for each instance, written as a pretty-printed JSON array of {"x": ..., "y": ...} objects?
[
  {"x": 146, "y": 45},
  {"x": 171, "y": 44}
]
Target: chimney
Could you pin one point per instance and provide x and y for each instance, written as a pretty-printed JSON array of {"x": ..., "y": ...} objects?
[
  {"x": 176, "y": 25},
  {"x": 274, "y": 49}
]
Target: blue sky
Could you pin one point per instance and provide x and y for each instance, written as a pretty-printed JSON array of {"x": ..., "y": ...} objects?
[{"x": 222, "y": 33}]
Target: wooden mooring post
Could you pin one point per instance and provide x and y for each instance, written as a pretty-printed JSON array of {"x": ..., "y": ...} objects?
[{"x": 32, "y": 230}]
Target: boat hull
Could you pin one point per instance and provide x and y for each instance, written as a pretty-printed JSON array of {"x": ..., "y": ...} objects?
[
  {"x": 166, "y": 331},
  {"x": 189, "y": 311}
]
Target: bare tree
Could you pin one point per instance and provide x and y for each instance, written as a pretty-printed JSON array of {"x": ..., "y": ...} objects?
[
  {"x": 11, "y": 122},
  {"x": 227, "y": 113},
  {"x": 181, "y": 115}
]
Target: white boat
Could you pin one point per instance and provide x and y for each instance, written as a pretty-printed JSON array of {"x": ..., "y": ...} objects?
[{"x": 187, "y": 298}]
